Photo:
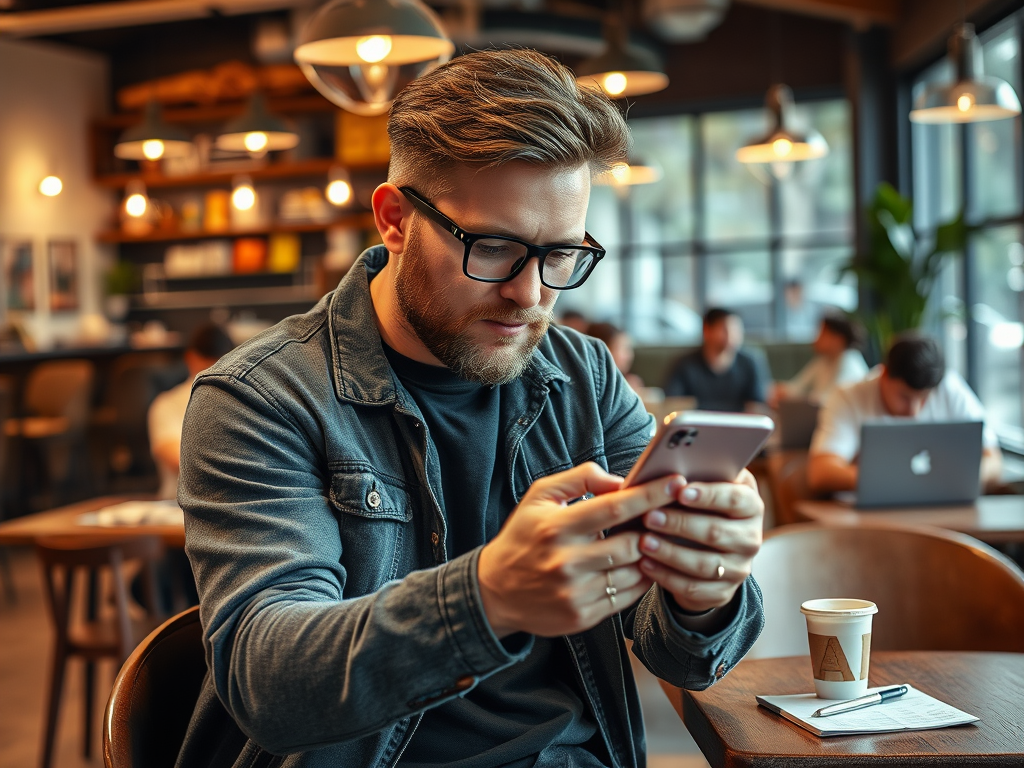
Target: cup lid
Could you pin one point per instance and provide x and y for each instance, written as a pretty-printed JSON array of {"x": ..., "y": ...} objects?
[{"x": 838, "y": 606}]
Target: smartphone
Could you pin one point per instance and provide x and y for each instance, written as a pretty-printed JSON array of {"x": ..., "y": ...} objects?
[{"x": 703, "y": 446}]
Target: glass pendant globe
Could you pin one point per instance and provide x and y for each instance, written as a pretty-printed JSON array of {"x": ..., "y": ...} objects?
[{"x": 360, "y": 53}]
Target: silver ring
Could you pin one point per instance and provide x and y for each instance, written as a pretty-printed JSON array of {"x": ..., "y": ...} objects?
[
  {"x": 720, "y": 572},
  {"x": 611, "y": 563},
  {"x": 610, "y": 590}
]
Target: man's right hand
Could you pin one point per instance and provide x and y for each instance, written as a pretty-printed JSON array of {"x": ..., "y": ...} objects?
[{"x": 548, "y": 569}]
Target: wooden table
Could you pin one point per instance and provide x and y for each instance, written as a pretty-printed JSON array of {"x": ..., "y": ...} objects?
[
  {"x": 63, "y": 521},
  {"x": 733, "y": 731},
  {"x": 993, "y": 519}
]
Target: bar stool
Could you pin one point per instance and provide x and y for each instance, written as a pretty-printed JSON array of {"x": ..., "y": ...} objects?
[{"x": 93, "y": 636}]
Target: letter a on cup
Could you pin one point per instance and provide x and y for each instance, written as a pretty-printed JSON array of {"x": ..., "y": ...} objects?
[{"x": 828, "y": 660}]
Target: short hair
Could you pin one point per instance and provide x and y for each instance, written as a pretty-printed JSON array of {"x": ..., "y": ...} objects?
[
  {"x": 210, "y": 341},
  {"x": 916, "y": 360},
  {"x": 717, "y": 314},
  {"x": 606, "y": 332},
  {"x": 493, "y": 107},
  {"x": 849, "y": 330},
  {"x": 572, "y": 314}
]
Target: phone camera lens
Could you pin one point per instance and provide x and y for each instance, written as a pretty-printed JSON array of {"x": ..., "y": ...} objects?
[{"x": 678, "y": 437}]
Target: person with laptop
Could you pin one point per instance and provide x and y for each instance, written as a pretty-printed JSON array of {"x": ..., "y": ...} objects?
[{"x": 912, "y": 384}]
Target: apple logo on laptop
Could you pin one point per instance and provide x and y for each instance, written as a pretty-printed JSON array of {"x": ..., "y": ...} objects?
[{"x": 921, "y": 463}]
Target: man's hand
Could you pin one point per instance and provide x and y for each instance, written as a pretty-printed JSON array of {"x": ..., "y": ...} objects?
[
  {"x": 700, "y": 580},
  {"x": 548, "y": 571}
]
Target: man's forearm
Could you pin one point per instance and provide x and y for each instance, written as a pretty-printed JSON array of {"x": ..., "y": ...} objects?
[
  {"x": 991, "y": 468},
  {"x": 828, "y": 473}
]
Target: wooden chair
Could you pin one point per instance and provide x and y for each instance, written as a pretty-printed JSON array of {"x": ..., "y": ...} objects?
[
  {"x": 935, "y": 589},
  {"x": 153, "y": 696},
  {"x": 787, "y": 478},
  {"x": 93, "y": 636}
]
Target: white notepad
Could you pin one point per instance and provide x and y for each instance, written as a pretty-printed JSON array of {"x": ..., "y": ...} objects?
[
  {"x": 914, "y": 711},
  {"x": 164, "y": 512}
]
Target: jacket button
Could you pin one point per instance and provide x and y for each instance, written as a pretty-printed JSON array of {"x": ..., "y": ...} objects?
[
  {"x": 373, "y": 499},
  {"x": 720, "y": 672},
  {"x": 523, "y": 421},
  {"x": 434, "y": 538},
  {"x": 415, "y": 425}
]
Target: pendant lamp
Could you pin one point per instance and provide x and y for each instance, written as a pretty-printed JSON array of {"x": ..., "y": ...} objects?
[
  {"x": 631, "y": 173},
  {"x": 360, "y": 53},
  {"x": 621, "y": 70},
  {"x": 781, "y": 146},
  {"x": 152, "y": 139},
  {"x": 972, "y": 97},
  {"x": 256, "y": 131}
]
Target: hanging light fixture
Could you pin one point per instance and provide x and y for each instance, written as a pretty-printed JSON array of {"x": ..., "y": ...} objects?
[
  {"x": 629, "y": 173},
  {"x": 51, "y": 186},
  {"x": 621, "y": 70},
  {"x": 339, "y": 187},
  {"x": 973, "y": 96},
  {"x": 256, "y": 131},
  {"x": 781, "y": 146},
  {"x": 360, "y": 53},
  {"x": 152, "y": 139}
]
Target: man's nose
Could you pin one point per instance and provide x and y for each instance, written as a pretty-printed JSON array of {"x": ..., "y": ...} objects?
[{"x": 524, "y": 289}]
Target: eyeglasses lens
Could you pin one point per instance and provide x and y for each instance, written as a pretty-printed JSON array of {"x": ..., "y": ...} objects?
[{"x": 494, "y": 259}]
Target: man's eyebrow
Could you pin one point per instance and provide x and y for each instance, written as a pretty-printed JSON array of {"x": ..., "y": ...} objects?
[{"x": 490, "y": 229}]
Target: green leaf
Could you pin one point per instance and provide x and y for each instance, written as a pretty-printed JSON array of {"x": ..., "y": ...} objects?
[{"x": 889, "y": 200}]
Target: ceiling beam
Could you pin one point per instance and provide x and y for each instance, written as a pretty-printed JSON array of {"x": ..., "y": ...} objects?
[{"x": 861, "y": 14}]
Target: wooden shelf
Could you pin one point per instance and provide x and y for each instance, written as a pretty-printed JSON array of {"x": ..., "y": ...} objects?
[
  {"x": 231, "y": 297},
  {"x": 286, "y": 105},
  {"x": 363, "y": 220},
  {"x": 318, "y": 166}
]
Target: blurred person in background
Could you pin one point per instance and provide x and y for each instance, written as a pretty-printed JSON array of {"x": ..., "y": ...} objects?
[
  {"x": 837, "y": 361},
  {"x": 720, "y": 375},
  {"x": 574, "y": 319},
  {"x": 206, "y": 346},
  {"x": 621, "y": 346}
]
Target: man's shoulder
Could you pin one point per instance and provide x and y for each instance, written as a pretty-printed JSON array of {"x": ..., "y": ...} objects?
[{"x": 569, "y": 351}]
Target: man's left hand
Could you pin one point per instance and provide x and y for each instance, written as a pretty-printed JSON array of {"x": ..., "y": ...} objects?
[{"x": 725, "y": 517}]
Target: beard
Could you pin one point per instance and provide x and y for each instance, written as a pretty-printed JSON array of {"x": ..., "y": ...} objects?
[{"x": 428, "y": 311}]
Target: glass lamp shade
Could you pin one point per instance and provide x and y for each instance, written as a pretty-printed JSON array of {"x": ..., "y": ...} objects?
[
  {"x": 256, "y": 131},
  {"x": 620, "y": 71},
  {"x": 152, "y": 139},
  {"x": 973, "y": 97},
  {"x": 360, "y": 53},
  {"x": 778, "y": 149},
  {"x": 629, "y": 174}
]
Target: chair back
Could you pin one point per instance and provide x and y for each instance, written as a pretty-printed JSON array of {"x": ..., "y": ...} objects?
[
  {"x": 61, "y": 389},
  {"x": 935, "y": 589},
  {"x": 153, "y": 697}
]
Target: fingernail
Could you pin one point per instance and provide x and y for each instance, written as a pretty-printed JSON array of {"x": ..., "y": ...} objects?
[
  {"x": 674, "y": 485},
  {"x": 648, "y": 565},
  {"x": 650, "y": 543},
  {"x": 691, "y": 494},
  {"x": 657, "y": 519}
]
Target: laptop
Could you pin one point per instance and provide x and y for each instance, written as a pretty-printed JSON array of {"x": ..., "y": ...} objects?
[
  {"x": 797, "y": 421},
  {"x": 914, "y": 463}
]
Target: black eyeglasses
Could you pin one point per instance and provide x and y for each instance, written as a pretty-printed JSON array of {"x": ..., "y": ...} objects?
[{"x": 497, "y": 258}]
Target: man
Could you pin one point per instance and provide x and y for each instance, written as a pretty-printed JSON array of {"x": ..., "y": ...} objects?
[
  {"x": 206, "y": 346},
  {"x": 394, "y": 503},
  {"x": 720, "y": 375},
  {"x": 837, "y": 362},
  {"x": 913, "y": 383}
]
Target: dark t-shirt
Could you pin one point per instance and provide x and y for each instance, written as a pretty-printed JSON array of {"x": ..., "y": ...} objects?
[
  {"x": 745, "y": 381},
  {"x": 530, "y": 714}
]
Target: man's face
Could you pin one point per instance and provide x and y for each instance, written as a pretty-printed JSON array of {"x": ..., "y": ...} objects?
[
  {"x": 829, "y": 344},
  {"x": 723, "y": 335},
  {"x": 486, "y": 332},
  {"x": 899, "y": 398}
]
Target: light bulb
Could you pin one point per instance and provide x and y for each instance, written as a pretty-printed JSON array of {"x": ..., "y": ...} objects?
[
  {"x": 153, "y": 149},
  {"x": 782, "y": 147},
  {"x": 51, "y": 186},
  {"x": 373, "y": 48},
  {"x": 243, "y": 197},
  {"x": 614, "y": 83},
  {"x": 965, "y": 102},
  {"x": 339, "y": 192},
  {"x": 620, "y": 172},
  {"x": 136, "y": 205},
  {"x": 256, "y": 141}
]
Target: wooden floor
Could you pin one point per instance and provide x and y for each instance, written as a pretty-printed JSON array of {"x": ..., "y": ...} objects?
[{"x": 26, "y": 644}]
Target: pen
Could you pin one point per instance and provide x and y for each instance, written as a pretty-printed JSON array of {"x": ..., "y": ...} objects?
[{"x": 864, "y": 701}]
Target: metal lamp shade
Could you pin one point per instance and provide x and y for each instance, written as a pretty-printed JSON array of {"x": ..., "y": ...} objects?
[
  {"x": 176, "y": 143},
  {"x": 781, "y": 145},
  {"x": 973, "y": 97},
  {"x": 642, "y": 70},
  {"x": 256, "y": 120}
]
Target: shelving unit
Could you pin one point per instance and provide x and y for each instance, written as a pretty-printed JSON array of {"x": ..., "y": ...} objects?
[{"x": 358, "y": 220}]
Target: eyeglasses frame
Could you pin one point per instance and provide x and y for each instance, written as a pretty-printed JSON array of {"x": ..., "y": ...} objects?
[{"x": 469, "y": 238}]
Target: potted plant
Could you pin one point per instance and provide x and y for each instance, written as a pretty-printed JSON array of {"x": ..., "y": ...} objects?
[
  {"x": 900, "y": 266},
  {"x": 122, "y": 280}
]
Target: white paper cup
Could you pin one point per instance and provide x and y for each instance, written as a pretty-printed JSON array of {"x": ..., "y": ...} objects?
[{"x": 839, "y": 636}]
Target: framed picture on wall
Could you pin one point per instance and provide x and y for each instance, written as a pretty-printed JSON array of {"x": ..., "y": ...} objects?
[
  {"x": 63, "y": 275},
  {"x": 19, "y": 275}
]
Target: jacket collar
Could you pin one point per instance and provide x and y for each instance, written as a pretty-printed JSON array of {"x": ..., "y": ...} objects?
[{"x": 361, "y": 371}]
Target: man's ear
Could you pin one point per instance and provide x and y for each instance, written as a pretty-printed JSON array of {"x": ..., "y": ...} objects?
[{"x": 390, "y": 214}]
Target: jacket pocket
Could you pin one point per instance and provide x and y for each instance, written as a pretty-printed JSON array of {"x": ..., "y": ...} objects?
[{"x": 366, "y": 495}]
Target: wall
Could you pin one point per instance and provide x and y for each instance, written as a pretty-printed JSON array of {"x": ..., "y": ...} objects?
[
  {"x": 48, "y": 95},
  {"x": 925, "y": 26}
]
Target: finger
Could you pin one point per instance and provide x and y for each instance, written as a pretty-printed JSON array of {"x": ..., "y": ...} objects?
[
  {"x": 746, "y": 478},
  {"x": 624, "y": 598},
  {"x": 573, "y": 483},
  {"x": 733, "y": 499},
  {"x": 603, "y": 554},
  {"x": 742, "y": 536},
  {"x": 611, "y": 509},
  {"x": 709, "y": 566},
  {"x": 691, "y": 594}
]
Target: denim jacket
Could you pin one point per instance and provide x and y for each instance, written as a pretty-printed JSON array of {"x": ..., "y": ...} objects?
[{"x": 332, "y": 615}]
